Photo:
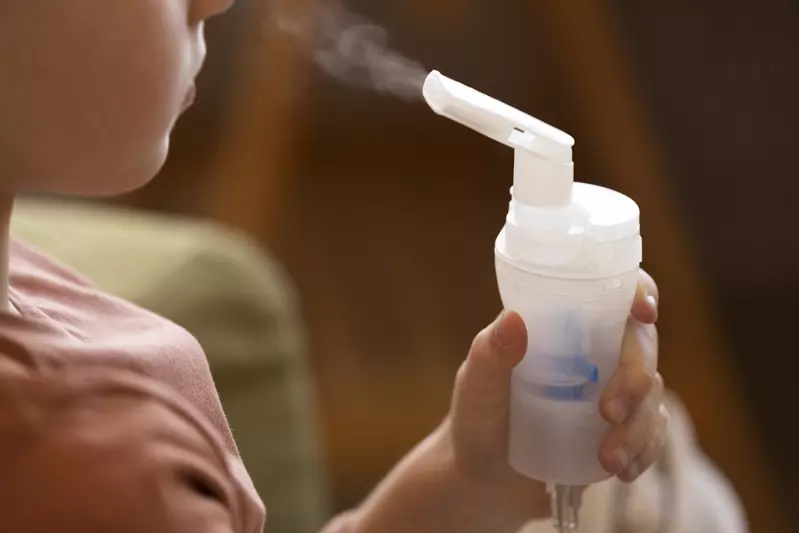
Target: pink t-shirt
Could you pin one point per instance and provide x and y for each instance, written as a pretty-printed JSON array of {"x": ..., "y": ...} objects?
[{"x": 109, "y": 418}]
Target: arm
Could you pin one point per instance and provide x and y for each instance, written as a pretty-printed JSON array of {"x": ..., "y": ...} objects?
[
  {"x": 108, "y": 451},
  {"x": 420, "y": 494}
]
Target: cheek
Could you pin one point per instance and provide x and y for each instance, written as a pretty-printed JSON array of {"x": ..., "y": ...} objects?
[{"x": 96, "y": 97}]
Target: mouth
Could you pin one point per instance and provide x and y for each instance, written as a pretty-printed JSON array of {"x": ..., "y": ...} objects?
[{"x": 191, "y": 95}]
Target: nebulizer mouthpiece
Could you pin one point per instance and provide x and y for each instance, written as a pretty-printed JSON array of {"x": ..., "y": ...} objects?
[
  {"x": 567, "y": 261},
  {"x": 543, "y": 169}
]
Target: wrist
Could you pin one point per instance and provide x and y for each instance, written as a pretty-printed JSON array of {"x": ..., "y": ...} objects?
[
  {"x": 416, "y": 497},
  {"x": 431, "y": 491}
]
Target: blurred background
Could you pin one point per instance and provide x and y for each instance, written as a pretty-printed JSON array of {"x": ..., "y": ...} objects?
[{"x": 384, "y": 214}]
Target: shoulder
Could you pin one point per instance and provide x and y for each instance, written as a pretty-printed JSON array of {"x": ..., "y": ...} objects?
[
  {"x": 67, "y": 322},
  {"x": 44, "y": 288},
  {"x": 70, "y": 440}
]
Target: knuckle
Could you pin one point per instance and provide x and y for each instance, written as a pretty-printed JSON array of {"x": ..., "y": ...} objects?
[
  {"x": 643, "y": 383},
  {"x": 653, "y": 452},
  {"x": 658, "y": 385},
  {"x": 656, "y": 442},
  {"x": 481, "y": 342},
  {"x": 655, "y": 446},
  {"x": 460, "y": 375},
  {"x": 650, "y": 449},
  {"x": 631, "y": 473},
  {"x": 650, "y": 344},
  {"x": 665, "y": 418},
  {"x": 659, "y": 443},
  {"x": 476, "y": 343},
  {"x": 648, "y": 282}
]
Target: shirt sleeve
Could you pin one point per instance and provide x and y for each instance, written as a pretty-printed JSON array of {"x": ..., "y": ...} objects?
[{"x": 93, "y": 452}]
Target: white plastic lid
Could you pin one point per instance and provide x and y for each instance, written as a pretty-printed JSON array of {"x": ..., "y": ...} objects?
[
  {"x": 611, "y": 215},
  {"x": 596, "y": 237}
]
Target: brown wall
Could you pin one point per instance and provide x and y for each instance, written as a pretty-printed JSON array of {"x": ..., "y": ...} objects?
[
  {"x": 722, "y": 79},
  {"x": 385, "y": 214}
]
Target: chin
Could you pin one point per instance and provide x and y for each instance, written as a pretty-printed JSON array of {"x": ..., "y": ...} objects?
[{"x": 125, "y": 179}]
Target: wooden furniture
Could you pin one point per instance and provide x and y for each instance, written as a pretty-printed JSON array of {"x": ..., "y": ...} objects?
[{"x": 251, "y": 167}]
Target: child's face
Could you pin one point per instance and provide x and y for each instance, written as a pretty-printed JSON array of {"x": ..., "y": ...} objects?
[{"x": 90, "y": 89}]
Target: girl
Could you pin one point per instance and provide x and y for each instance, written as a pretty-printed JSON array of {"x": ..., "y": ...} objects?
[{"x": 109, "y": 420}]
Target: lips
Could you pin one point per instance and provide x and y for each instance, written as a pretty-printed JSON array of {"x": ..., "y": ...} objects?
[{"x": 191, "y": 94}]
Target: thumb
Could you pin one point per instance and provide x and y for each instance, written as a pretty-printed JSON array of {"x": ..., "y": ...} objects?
[{"x": 482, "y": 390}]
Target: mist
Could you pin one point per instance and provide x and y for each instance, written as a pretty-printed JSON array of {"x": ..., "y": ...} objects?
[{"x": 355, "y": 51}]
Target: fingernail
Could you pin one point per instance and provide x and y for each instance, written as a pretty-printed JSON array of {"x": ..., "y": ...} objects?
[
  {"x": 499, "y": 329},
  {"x": 653, "y": 302},
  {"x": 619, "y": 411},
  {"x": 622, "y": 459}
]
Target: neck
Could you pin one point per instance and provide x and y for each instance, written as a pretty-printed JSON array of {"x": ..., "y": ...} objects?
[{"x": 6, "y": 207}]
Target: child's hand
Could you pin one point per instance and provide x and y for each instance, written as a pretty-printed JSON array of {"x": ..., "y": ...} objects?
[
  {"x": 632, "y": 403},
  {"x": 459, "y": 479}
]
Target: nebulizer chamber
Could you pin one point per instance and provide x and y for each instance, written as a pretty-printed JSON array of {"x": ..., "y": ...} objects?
[{"x": 567, "y": 261}]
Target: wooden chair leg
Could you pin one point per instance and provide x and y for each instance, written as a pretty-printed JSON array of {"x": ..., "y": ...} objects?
[{"x": 250, "y": 173}]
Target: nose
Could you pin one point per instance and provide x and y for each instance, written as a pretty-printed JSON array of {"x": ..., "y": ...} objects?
[{"x": 202, "y": 10}]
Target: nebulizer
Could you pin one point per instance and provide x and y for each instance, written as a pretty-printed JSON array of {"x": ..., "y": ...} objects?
[{"x": 567, "y": 261}]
